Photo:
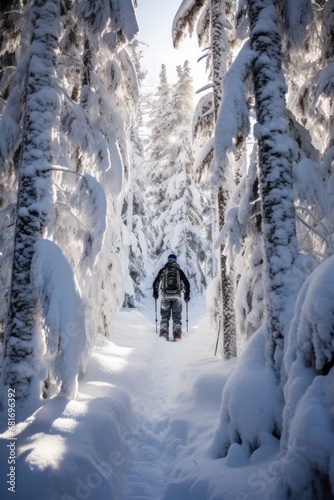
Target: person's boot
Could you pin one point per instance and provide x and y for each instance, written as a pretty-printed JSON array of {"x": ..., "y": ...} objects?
[
  {"x": 177, "y": 333},
  {"x": 163, "y": 333}
]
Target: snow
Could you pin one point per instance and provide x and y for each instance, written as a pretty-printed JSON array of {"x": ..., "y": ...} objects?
[
  {"x": 121, "y": 12},
  {"x": 150, "y": 419},
  {"x": 307, "y": 418},
  {"x": 203, "y": 154},
  {"x": 143, "y": 422},
  {"x": 185, "y": 9},
  {"x": 253, "y": 386},
  {"x": 298, "y": 16},
  {"x": 233, "y": 113},
  {"x": 158, "y": 420},
  {"x": 126, "y": 17},
  {"x": 64, "y": 336},
  {"x": 312, "y": 191}
]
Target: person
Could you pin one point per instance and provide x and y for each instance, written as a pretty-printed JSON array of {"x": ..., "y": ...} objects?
[{"x": 172, "y": 280}]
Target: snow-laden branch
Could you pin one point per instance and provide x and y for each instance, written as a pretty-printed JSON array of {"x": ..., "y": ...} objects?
[
  {"x": 233, "y": 115},
  {"x": 185, "y": 19},
  {"x": 204, "y": 109},
  {"x": 204, "y": 157},
  {"x": 66, "y": 170},
  {"x": 325, "y": 235},
  {"x": 309, "y": 185},
  {"x": 205, "y": 87},
  {"x": 63, "y": 340}
]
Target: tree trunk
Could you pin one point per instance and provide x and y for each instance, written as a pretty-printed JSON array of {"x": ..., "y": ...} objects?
[
  {"x": 219, "y": 68},
  {"x": 34, "y": 196},
  {"x": 275, "y": 170}
]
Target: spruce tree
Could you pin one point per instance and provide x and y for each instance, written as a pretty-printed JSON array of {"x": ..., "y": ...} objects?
[
  {"x": 41, "y": 118},
  {"x": 157, "y": 148},
  {"x": 137, "y": 233},
  {"x": 212, "y": 27},
  {"x": 73, "y": 164},
  {"x": 181, "y": 227}
]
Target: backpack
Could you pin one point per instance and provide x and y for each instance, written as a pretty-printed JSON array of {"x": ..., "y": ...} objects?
[{"x": 171, "y": 281}]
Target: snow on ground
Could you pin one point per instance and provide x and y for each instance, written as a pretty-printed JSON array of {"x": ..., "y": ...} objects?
[{"x": 141, "y": 427}]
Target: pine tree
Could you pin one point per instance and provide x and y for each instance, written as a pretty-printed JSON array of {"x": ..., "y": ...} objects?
[
  {"x": 158, "y": 148},
  {"x": 275, "y": 170},
  {"x": 308, "y": 351},
  {"x": 310, "y": 73},
  {"x": 263, "y": 214},
  {"x": 180, "y": 224},
  {"x": 100, "y": 130},
  {"x": 41, "y": 113},
  {"x": 215, "y": 23},
  {"x": 219, "y": 67},
  {"x": 9, "y": 143},
  {"x": 137, "y": 227},
  {"x": 74, "y": 178}
]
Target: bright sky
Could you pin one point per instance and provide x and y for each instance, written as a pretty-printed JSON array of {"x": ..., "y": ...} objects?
[{"x": 155, "y": 20}]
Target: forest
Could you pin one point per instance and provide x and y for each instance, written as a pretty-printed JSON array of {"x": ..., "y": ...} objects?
[{"x": 100, "y": 181}]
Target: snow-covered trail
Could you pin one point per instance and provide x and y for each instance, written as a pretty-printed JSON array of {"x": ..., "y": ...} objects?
[
  {"x": 140, "y": 427},
  {"x": 149, "y": 469},
  {"x": 169, "y": 414}
]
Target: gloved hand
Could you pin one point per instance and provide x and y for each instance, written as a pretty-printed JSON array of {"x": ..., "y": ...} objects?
[
  {"x": 186, "y": 297},
  {"x": 155, "y": 294}
]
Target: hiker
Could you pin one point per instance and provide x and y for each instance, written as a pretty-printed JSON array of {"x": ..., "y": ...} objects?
[{"x": 173, "y": 280}]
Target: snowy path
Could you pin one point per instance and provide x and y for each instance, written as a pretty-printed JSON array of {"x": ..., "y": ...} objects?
[
  {"x": 174, "y": 410},
  {"x": 143, "y": 425},
  {"x": 149, "y": 471},
  {"x": 140, "y": 426}
]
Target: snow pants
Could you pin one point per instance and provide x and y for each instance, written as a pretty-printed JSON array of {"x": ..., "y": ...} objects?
[{"x": 171, "y": 306}]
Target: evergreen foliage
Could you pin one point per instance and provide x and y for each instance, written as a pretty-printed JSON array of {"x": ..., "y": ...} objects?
[
  {"x": 84, "y": 205},
  {"x": 72, "y": 164},
  {"x": 176, "y": 199}
]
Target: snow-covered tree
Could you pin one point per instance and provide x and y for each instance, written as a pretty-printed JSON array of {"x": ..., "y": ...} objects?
[
  {"x": 179, "y": 220},
  {"x": 158, "y": 146},
  {"x": 39, "y": 152},
  {"x": 136, "y": 230},
  {"x": 309, "y": 362},
  {"x": 268, "y": 195},
  {"x": 9, "y": 150},
  {"x": 77, "y": 85},
  {"x": 214, "y": 22},
  {"x": 137, "y": 233},
  {"x": 275, "y": 170},
  {"x": 219, "y": 66},
  {"x": 310, "y": 76}
]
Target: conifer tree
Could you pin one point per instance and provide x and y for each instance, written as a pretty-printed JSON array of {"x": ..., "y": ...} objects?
[
  {"x": 308, "y": 42},
  {"x": 180, "y": 223},
  {"x": 158, "y": 147},
  {"x": 41, "y": 113},
  {"x": 275, "y": 171},
  {"x": 212, "y": 26},
  {"x": 74, "y": 158},
  {"x": 137, "y": 234},
  {"x": 9, "y": 143}
]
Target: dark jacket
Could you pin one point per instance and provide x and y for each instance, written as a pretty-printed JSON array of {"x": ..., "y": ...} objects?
[{"x": 183, "y": 279}]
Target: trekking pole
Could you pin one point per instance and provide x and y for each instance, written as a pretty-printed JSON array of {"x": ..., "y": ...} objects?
[
  {"x": 218, "y": 336},
  {"x": 156, "y": 316},
  {"x": 187, "y": 315}
]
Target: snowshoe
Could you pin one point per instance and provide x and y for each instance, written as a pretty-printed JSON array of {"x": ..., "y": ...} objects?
[
  {"x": 177, "y": 337},
  {"x": 162, "y": 334}
]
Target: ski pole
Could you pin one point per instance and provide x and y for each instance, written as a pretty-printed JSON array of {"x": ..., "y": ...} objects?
[
  {"x": 156, "y": 316},
  {"x": 187, "y": 315},
  {"x": 218, "y": 336}
]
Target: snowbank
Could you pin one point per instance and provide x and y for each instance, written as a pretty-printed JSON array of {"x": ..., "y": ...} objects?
[{"x": 150, "y": 423}]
